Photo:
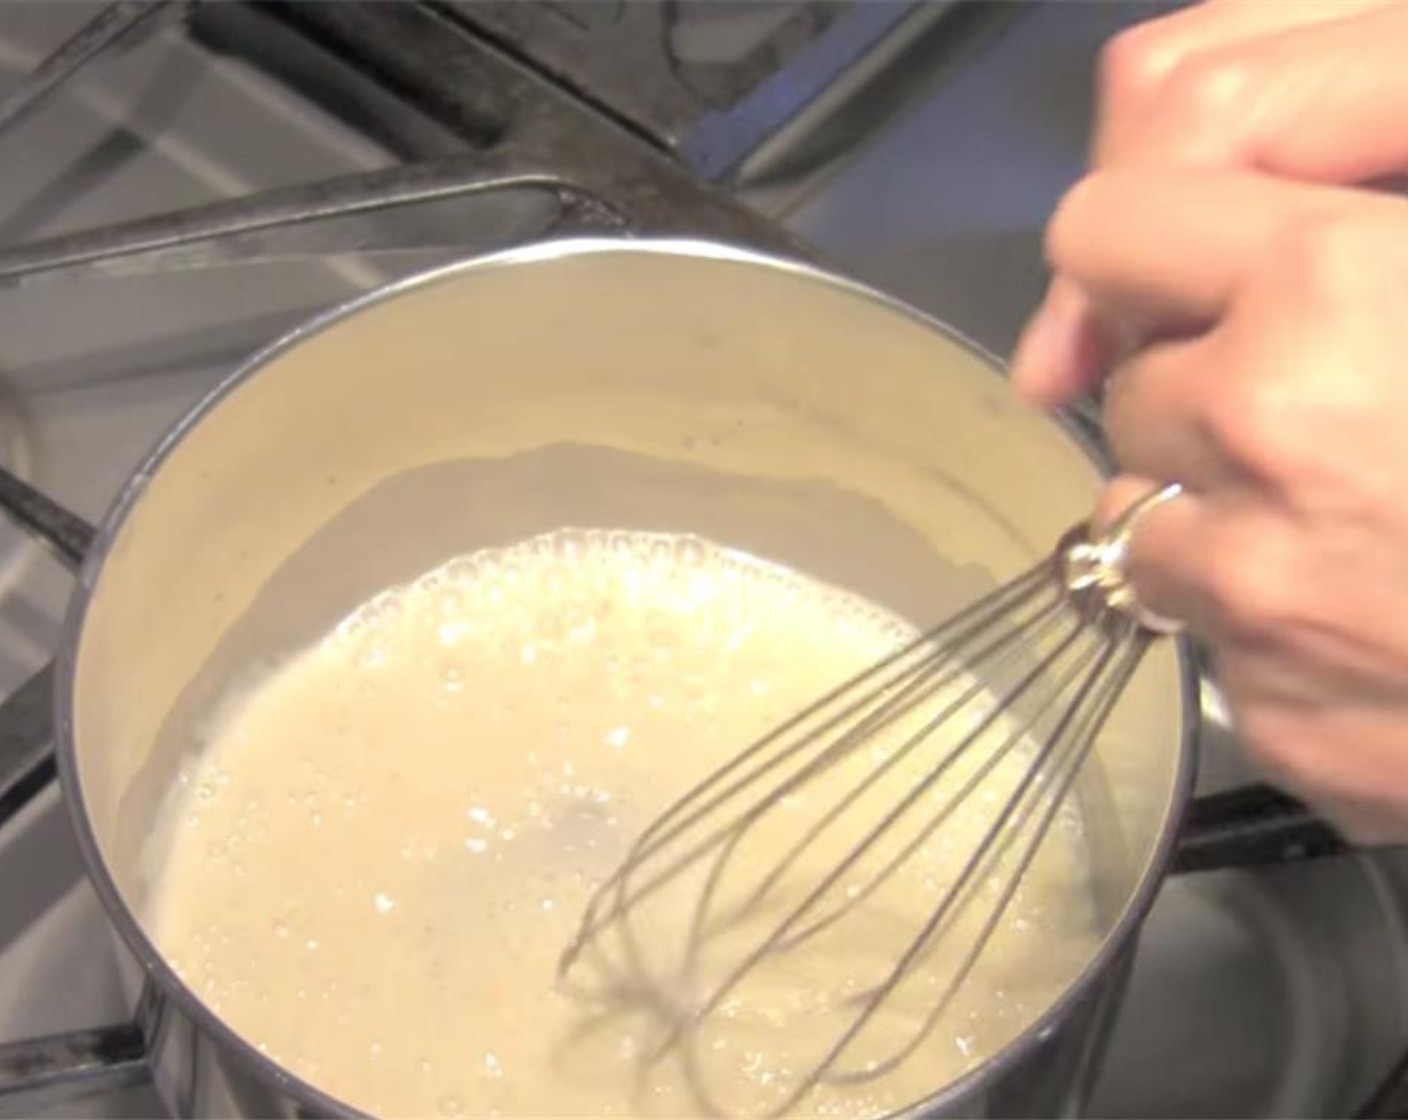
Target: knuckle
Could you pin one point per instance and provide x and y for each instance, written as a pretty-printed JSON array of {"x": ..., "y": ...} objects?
[
  {"x": 1208, "y": 90},
  {"x": 1202, "y": 94},
  {"x": 1075, "y": 229},
  {"x": 1257, "y": 422},
  {"x": 1134, "y": 63},
  {"x": 1063, "y": 230}
]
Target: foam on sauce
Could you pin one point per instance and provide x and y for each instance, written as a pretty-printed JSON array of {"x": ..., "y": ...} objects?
[{"x": 381, "y": 853}]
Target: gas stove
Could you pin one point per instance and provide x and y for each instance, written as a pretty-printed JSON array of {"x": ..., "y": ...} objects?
[{"x": 183, "y": 182}]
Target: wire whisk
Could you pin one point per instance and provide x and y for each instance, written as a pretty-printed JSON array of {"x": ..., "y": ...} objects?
[{"x": 848, "y": 870}]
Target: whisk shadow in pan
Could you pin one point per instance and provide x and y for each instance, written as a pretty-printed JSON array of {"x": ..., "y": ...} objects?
[{"x": 1038, "y": 663}]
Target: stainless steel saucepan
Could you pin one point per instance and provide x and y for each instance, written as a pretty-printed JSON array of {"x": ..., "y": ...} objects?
[{"x": 668, "y": 385}]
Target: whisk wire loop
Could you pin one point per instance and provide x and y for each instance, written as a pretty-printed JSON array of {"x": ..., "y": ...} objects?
[
  {"x": 703, "y": 799},
  {"x": 1025, "y": 677}
]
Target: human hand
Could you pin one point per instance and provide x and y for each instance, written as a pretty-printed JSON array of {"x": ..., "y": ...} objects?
[
  {"x": 1258, "y": 318},
  {"x": 1306, "y": 89}
]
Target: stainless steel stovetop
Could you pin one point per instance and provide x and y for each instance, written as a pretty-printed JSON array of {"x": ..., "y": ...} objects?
[{"x": 920, "y": 147}]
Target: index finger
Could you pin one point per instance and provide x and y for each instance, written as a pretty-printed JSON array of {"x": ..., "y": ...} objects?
[
  {"x": 1144, "y": 253},
  {"x": 1163, "y": 251}
]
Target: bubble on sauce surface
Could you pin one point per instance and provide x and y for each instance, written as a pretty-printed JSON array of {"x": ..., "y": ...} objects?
[{"x": 582, "y": 679}]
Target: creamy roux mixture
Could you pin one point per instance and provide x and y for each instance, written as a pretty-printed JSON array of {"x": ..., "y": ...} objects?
[{"x": 382, "y": 852}]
